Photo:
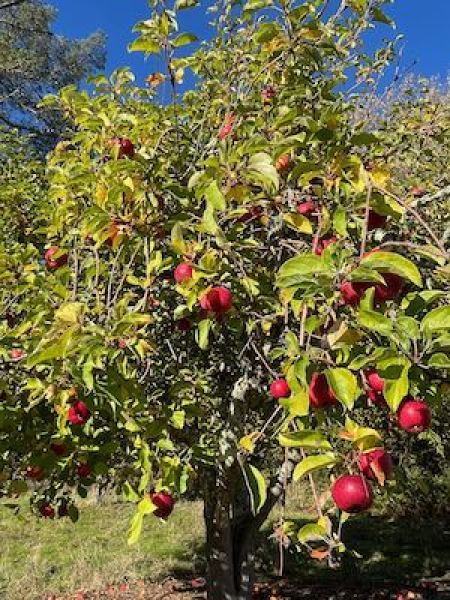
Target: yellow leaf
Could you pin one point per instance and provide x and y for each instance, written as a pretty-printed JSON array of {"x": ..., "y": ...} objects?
[{"x": 298, "y": 222}]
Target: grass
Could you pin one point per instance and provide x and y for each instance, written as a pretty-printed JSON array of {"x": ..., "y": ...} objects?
[{"x": 39, "y": 558}]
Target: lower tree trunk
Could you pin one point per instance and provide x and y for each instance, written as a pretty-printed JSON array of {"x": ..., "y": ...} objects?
[{"x": 230, "y": 555}]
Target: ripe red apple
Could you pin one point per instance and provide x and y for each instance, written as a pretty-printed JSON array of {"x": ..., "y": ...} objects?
[
  {"x": 184, "y": 324},
  {"x": 17, "y": 354},
  {"x": 78, "y": 413},
  {"x": 394, "y": 286},
  {"x": 35, "y": 473},
  {"x": 280, "y": 389},
  {"x": 55, "y": 263},
  {"x": 58, "y": 449},
  {"x": 123, "y": 343},
  {"x": 63, "y": 508},
  {"x": 376, "y": 398},
  {"x": 417, "y": 191},
  {"x": 353, "y": 291},
  {"x": 323, "y": 244},
  {"x": 374, "y": 381},
  {"x": 376, "y": 464},
  {"x": 84, "y": 470},
  {"x": 414, "y": 415},
  {"x": 125, "y": 147},
  {"x": 307, "y": 208},
  {"x": 47, "y": 510},
  {"x": 183, "y": 272},
  {"x": 320, "y": 393},
  {"x": 376, "y": 221},
  {"x": 227, "y": 127},
  {"x": 164, "y": 502},
  {"x": 352, "y": 493},
  {"x": 283, "y": 162},
  {"x": 217, "y": 300}
]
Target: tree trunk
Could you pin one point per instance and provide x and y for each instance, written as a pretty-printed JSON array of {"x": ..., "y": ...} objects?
[{"x": 229, "y": 554}]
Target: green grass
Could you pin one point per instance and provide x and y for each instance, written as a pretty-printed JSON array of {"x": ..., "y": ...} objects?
[{"x": 39, "y": 557}]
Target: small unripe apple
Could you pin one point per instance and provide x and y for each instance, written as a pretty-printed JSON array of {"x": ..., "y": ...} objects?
[
  {"x": 280, "y": 389},
  {"x": 55, "y": 263},
  {"x": 217, "y": 300},
  {"x": 164, "y": 502},
  {"x": 35, "y": 473},
  {"x": 84, "y": 470},
  {"x": 183, "y": 272},
  {"x": 17, "y": 354},
  {"x": 320, "y": 393},
  {"x": 352, "y": 493},
  {"x": 307, "y": 208},
  {"x": 184, "y": 324},
  {"x": 47, "y": 510},
  {"x": 58, "y": 449},
  {"x": 283, "y": 162},
  {"x": 323, "y": 244},
  {"x": 376, "y": 221},
  {"x": 414, "y": 415},
  {"x": 376, "y": 463},
  {"x": 374, "y": 381},
  {"x": 125, "y": 147},
  {"x": 78, "y": 413}
]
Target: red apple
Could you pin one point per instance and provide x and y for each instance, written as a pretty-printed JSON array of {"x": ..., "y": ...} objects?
[
  {"x": 164, "y": 502},
  {"x": 78, "y": 413},
  {"x": 55, "y": 263},
  {"x": 353, "y": 291},
  {"x": 376, "y": 398},
  {"x": 184, "y": 324},
  {"x": 183, "y": 272},
  {"x": 218, "y": 300},
  {"x": 283, "y": 162},
  {"x": 417, "y": 191},
  {"x": 63, "y": 508},
  {"x": 35, "y": 473},
  {"x": 227, "y": 127},
  {"x": 307, "y": 208},
  {"x": 47, "y": 510},
  {"x": 376, "y": 464},
  {"x": 125, "y": 147},
  {"x": 83, "y": 470},
  {"x": 352, "y": 493},
  {"x": 414, "y": 415},
  {"x": 280, "y": 389},
  {"x": 394, "y": 286},
  {"x": 16, "y": 354},
  {"x": 254, "y": 212},
  {"x": 323, "y": 244},
  {"x": 374, "y": 381},
  {"x": 58, "y": 449},
  {"x": 320, "y": 393},
  {"x": 376, "y": 221}
]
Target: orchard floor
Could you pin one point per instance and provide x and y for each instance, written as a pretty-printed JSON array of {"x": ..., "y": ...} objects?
[{"x": 90, "y": 560}]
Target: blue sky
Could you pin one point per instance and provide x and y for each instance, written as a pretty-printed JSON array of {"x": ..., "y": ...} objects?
[{"x": 425, "y": 25}]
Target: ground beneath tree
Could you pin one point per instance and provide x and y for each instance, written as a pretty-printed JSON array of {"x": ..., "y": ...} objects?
[{"x": 172, "y": 589}]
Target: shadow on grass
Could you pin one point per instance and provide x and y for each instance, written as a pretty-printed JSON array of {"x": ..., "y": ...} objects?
[{"x": 400, "y": 552}]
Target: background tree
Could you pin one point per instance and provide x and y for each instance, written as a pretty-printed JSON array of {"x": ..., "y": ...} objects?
[
  {"x": 212, "y": 307},
  {"x": 34, "y": 62}
]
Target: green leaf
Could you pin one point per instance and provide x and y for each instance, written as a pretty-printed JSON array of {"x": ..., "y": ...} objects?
[
  {"x": 381, "y": 17},
  {"x": 183, "y": 4},
  {"x": 437, "y": 319},
  {"x": 376, "y": 322},
  {"x": 202, "y": 333},
  {"x": 301, "y": 269},
  {"x": 253, "y": 5},
  {"x": 257, "y": 487},
  {"x": 69, "y": 313},
  {"x": 439, "y": 361},
  {"x": 390, "y": 262},
  {"x": 215, "y": 197},
  {"x": 344, "y": 384},
  {"x": 395, "y": 372},
  {"x": 128, "y": 493},
  {"x": 135, "y": 530},
  {"x": 312, "y": 532},
  {"x": 146, "y": 506},
  {"x": 184, "y": 39},
  {"x": 304, "y": 439},
  {"x": 143, "y": 44},
  {"x": 266, "y": 33},
  {"x": 260, "y": 167},
  {"x": 310, "y": 464}
]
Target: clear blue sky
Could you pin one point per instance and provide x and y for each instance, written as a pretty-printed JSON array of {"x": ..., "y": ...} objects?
[{"x": 425, "y": 25}]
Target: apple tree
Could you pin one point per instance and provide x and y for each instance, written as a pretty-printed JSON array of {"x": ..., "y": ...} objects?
[{"x": 212, "y": 303}]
